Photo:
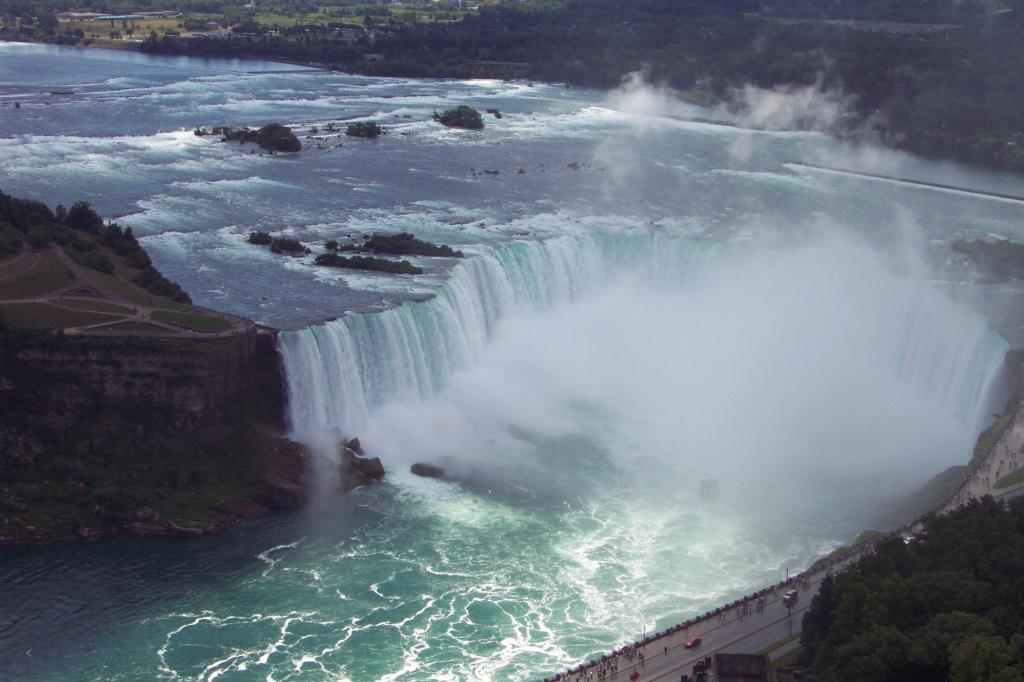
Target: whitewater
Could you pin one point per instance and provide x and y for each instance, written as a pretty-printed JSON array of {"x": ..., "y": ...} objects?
[{"x": 646, "y": 300}]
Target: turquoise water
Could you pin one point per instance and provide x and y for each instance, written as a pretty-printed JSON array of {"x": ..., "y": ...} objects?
[{"x": 683, "y": 305}]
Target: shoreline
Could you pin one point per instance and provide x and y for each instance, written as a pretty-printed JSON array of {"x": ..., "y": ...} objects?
[{"x": 854, "y": 136}]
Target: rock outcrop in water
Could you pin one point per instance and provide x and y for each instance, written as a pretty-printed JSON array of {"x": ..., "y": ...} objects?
[
  {"x": 427, "y": 470},
  {"x": 357, "y": 470}
]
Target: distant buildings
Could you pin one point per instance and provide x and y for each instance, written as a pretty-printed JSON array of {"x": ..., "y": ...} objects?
[{"x": 96, "y": 16}]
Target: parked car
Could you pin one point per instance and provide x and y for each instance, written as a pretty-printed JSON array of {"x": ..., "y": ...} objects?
[{"x": 692, "y": 643}]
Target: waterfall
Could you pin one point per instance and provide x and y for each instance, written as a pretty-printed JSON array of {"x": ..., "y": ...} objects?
[{"x": 340, "y": 372}]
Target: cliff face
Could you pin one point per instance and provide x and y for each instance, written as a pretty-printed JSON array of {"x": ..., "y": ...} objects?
[
  {"x": 177, "y": 387},
  {"x": 167, "y": 436}
]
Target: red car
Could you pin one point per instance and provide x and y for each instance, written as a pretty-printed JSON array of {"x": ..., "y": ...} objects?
[{"x": 692, "y": 643}]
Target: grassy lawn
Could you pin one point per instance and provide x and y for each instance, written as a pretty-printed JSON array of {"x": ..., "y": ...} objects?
[
  {"x": 194, "y": 321},
  {"x": 988, "y": 437},
  {"x": 781, "y": 643},
  {"x": 785, "y": 662},
  {"x": 94, "y": 305},
  {"x": 12, "y": 266},
  {"x": 49, "y": 276},
  {"x": 134, "y": 293},
  {"x": 46, "y": 316},
  {"x": 1012, "y": 478}
]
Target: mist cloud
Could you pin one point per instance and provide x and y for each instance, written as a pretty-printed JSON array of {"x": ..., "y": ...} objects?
[{"x": 809, "y": 107}]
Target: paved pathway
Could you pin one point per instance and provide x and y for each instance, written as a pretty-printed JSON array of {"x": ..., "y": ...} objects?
[{"x": 1005, "y": 457}]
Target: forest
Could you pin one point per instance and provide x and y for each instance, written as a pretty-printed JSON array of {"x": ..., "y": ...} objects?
[{"x": 946, "y": 605}]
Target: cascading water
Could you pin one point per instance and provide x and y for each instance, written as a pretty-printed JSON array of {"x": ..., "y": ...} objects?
[{"x": 340, "y": 372}]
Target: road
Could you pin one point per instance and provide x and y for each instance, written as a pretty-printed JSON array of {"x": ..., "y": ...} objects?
[{"x": 732, "y": 632}]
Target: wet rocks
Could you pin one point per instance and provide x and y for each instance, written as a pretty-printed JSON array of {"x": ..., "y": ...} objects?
[
  {"x": 358, "y": 471},
  {"x": 427, "y": 470}
]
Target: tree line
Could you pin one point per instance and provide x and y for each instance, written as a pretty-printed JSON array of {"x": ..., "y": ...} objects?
[
  {"x": 951, "y": 91},
  {"x": 947, "y": 606}
]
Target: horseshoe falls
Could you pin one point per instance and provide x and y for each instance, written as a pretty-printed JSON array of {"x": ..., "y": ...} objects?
[
  {"x": 342, "y": 372},
  {"x": 576, "y": 390},
  {"x": 647, "y": 300}
]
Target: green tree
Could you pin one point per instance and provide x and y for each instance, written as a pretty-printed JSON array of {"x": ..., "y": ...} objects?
[
  {"x": 39, "y": 236},
  {"x": 82, "y": 217},
  {"x": 10, "y": 239},
  {"x": 878, "y": 654},
  {"x": 985, "y": 659}
]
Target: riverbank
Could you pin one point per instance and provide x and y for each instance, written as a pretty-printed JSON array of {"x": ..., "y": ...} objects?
[{"x": 850, "y": 91}]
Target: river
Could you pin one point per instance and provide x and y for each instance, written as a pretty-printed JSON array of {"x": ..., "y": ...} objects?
[{"x": 649, "y": 299}]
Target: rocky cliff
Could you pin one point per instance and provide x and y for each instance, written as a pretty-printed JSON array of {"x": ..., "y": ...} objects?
[{"x": 171, "y": 436}]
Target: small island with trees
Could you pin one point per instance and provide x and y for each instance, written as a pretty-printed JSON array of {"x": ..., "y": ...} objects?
[
  {"x": 401, "y": 244},
  {"x": 397, "y": 267},
  {"x": 272, "y": 137},
  {"x": 366, "y": 129},
  {"x": 462, "y": 116},
  {"x": 286, "y": 245}
]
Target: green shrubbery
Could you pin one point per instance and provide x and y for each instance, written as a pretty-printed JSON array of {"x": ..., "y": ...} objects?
[
  {"x": 288, "y": 245},
  {"x": 10, "y": 240},
  {"x": 155, "y": 283},
  {"x": 273, "y": 137},
  {"x": 367, "y": 129},
  {"x": 401, "y": 267},
  {"x": 93, "y": 259},
  {"x": 406, "y": 244}
]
